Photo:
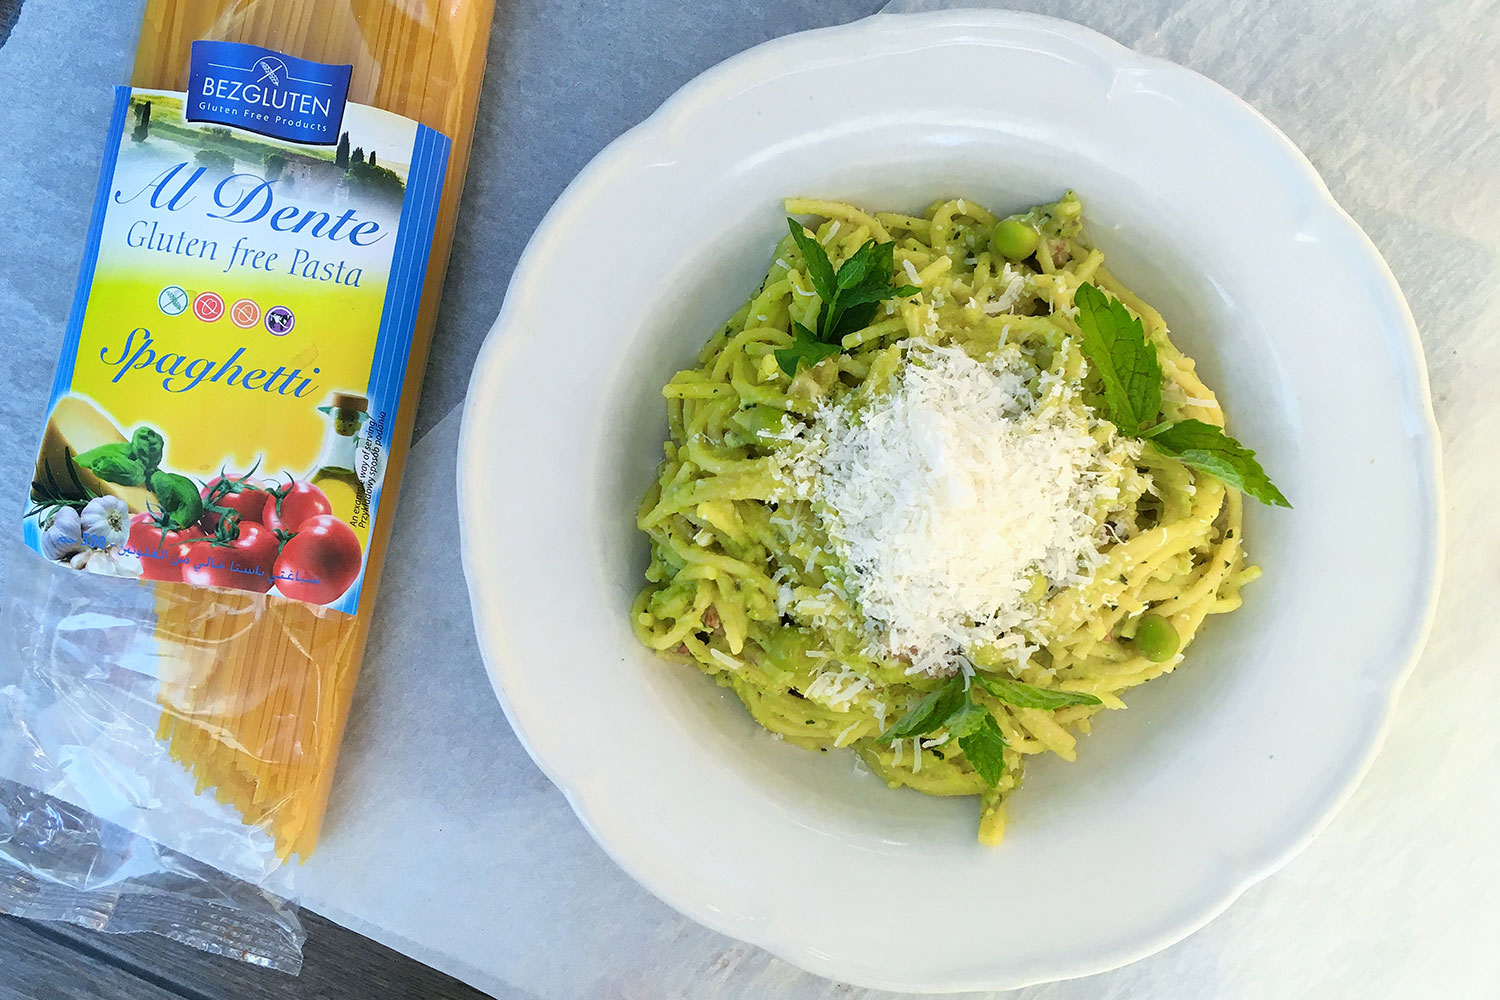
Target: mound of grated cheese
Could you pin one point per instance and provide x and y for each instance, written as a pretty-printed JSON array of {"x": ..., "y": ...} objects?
[{"x": 947, "y": 494}]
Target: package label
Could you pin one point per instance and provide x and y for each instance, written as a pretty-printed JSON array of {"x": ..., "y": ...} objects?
[
  {"x": 261, "y": 90},
  {"x": 234, "y": 359}
]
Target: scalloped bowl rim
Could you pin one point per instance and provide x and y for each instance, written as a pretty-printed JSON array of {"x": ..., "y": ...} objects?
[{"x": 623, "y": 154}]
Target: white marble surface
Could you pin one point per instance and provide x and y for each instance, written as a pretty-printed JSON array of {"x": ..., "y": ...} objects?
[{"x": 446, "y": 842}]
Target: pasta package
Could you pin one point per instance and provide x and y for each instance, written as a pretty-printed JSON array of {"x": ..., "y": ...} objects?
[{"x": 218, "y": 467}]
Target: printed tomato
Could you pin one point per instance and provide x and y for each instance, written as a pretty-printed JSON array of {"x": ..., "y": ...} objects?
[
  {"x": 162, "y": 556},
  {"x": 239, "y": 495},
  {"x": 288, "y": 506},
  {"x": 245, "y": 563},
  {"x": 319, "y": 562}
]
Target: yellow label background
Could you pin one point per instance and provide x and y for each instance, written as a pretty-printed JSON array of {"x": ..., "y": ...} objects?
[{"x": 216, "y": 426}]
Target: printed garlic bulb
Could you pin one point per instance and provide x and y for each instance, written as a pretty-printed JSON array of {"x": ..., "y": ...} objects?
[
  {"x": 62, "y": 537},
  {"x": 106, "y": 562},
  {"x": 105, "y": 522},
  {"x": 125, "y": 564}
]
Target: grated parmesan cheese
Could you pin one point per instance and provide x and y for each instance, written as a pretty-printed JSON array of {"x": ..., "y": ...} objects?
[
  {"x": 945, "y": 496},
  {"x": 836, "y": 689},
  {"x": 726, "y": 659},
  {"x": 1015, "y": 284}
]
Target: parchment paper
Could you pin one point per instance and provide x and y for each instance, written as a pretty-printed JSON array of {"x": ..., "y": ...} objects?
[{"x": 446, "y": 842}]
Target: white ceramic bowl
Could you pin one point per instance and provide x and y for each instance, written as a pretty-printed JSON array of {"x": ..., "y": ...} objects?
[{"x": 1216, "y": 775}]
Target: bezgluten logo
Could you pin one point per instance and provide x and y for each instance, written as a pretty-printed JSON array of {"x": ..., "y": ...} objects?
[
  {"x": 260, "y": 90},
  {"x": 271, "y": 69}
]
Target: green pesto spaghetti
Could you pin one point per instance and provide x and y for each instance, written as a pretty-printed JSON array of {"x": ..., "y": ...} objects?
[{"x": 938, "y": 493}]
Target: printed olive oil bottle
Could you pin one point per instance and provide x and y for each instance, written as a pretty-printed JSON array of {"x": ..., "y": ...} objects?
[{"x": 346, "y": 464}]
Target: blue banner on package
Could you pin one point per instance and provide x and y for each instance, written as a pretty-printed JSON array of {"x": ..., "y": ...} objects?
[{"x": 262, "y": 90}]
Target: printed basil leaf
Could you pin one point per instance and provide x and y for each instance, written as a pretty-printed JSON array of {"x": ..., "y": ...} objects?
[
  {"x": 985, "y": 749},
  {"x": 1207, "y": 448},
  {"x": 929, "y": 714},
  {"x": 806, "y": 350},
  {"x": 1117, "y": 346},
  {"x": 86, "y": 459},
  {"x": 113, "y": 464},
  {"x": 146, "y": 447},
  {"x": 1023, "y": 695},
  {"x": 819, "y": 270},
  {"x": 181, "y": 504}
]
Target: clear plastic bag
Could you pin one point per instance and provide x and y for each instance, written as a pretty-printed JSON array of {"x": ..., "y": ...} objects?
[
  {"x": 167, "y": 748},
  {"x": 63, "y": 863},
  {"x": 98, "y": 825}
]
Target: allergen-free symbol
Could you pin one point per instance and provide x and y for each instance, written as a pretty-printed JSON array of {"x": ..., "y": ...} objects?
[
  {"x": 173, "y": 300},
  {"x": 245, "y": 314},
  {"x": 208, "y": 306},
  {"x": 279, "y": 320}
]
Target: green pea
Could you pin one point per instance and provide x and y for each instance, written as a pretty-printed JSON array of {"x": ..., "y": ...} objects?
[
  {"x": 1156, "y": 639},
  {"x": 1014, "y": 239}
]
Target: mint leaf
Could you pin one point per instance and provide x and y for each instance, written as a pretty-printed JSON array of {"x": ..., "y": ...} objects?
[
  {"x": 875, "y": 277},
  {"x": 930, "y": 714},
  {"x": 967, "y": 720},
  {"x": 1207, "y": 448},
  {"x": 1030, "y": 696},
  {"x": 850, "y": 298},
  {"x": 1117, "y": 346},
  {"x": 819, "y": 270},
  {"x": 852, "y": 320},
  {"x": 806, "y": 349},
  {"x": 871, "y": 296},
  {"x": 853, "y": 270},
  {"x": 874, "y": 281},
  {"x": 859, "y": 302},
  {"x": 985, "y": 749}
]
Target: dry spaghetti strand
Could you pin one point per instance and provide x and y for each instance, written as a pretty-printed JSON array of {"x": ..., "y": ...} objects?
[{"x": 256, "y": 689}]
